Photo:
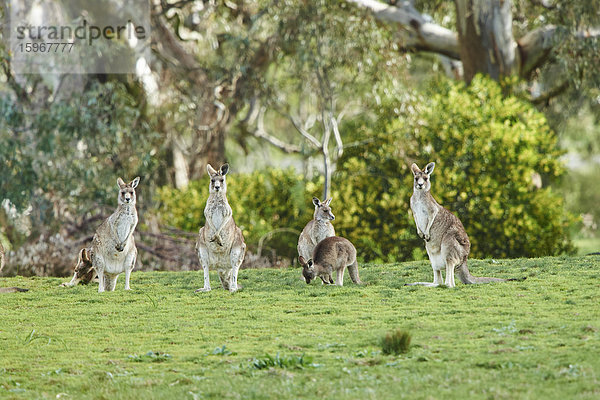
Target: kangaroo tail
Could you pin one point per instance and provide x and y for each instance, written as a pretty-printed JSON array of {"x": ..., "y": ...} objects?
[
  {"x": 353, "y": 270},
  {"x": 466, "y": 277}
]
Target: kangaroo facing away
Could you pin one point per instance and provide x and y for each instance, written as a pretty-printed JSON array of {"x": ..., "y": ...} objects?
[
  {"x": 331, "y": 254},
  {"x": 317, "y": 229},
  {"x": 113, "y": 247},
  {"x": 220, "y": 242},
  {"x": 84, "y": 269},
  {"x": 445, "y": 237}
]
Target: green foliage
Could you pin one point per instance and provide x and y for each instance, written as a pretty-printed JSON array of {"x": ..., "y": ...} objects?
[
  {"x": 514, "y": 340},
  {"x": 395, "y": 342},
  {"x": 487, "y": 148},
  {"x": 68, "y": 155},
  {"x": 273, "y": 205}
]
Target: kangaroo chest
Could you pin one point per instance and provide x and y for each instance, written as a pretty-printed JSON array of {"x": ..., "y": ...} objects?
[
  {"x": 124, "y": 224},
  {"x": 421, "y": 214},
  {"x": 321, "y": 230},
  {"x": 217, "y": 212}
]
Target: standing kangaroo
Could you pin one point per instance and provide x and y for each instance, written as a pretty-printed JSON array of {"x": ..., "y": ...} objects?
[
  {"x": 331, "y": 254},
  {"x": 445, "y": 237},
  {"x": 113, "y": 247},
  {"x": 220, "y": 242},
  {"x": 317, "y": 229}
]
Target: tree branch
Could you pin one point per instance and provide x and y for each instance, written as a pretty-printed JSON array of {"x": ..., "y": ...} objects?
[
  {"x": 420, "y": 33},
  {"x": 546, "y": 96},
  {"x": 261, "y": 133},
  {"x": 536, "y": 46},
  {"x": 313, "y": 140}
]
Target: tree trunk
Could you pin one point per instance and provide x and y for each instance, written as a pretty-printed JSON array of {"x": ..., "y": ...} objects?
[
  {"x": 215, "y": 148},
  {"x": 486, "y": 42}
]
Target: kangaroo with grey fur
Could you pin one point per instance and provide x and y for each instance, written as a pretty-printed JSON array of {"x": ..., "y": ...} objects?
[
  {"x": 317, "y": 229},
  {"x": 446, "y": 240},
  {"x": 113, "y": 247},
  {"x": 220, "y": 242},
  {"x": 331, "y": 254}
]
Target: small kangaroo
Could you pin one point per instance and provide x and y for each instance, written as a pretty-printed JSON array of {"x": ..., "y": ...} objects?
[
  {"x": 317, "y": 229},
  {"x": 220, "y": 242},
  {"x": 113, "y": 247},
  {"x": 333, "y": 253},
  {"x": 446, "y": 240},
  {"x": 84, "y": 269}
]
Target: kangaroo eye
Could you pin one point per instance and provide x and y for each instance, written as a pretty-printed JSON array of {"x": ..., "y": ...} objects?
[{"x": 212, "y": 180}]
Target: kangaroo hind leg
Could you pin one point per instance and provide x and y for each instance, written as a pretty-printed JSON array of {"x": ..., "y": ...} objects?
[{"x": 236, "y": 258}]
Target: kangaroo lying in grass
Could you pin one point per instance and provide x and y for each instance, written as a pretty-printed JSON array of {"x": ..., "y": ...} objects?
[
  {"x": 220, "y": 242},
  {"x": 113, "y": 247},
  {"x": 331, "y": 254},
  {"x": 7, "y": 289},
  {"x": 317, "y": 229},
  {"x": 446, "y": 240},
  {"x": 84, "y": 270}
]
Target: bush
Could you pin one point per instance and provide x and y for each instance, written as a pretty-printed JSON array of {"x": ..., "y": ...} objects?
[
  {"x": 271, "y": 204},
  {"x": 487, "y": 148},
  {"x": 396, "y": 342}
]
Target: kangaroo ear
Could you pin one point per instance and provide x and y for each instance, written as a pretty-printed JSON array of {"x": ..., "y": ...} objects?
[
  {"x": 301, "y": 260},
  {"x": 414, "y": 168},
  {"x": 120, "y": 183},
  {"x": 134, "y": 183},
  {"x": 224, "y": 169},
  {"x": 429, "y": 168},
  {"x": 211, "y": 171},
  {"x": 84, "y": 255},
  {"x": 328, "y": 201},
  {"x": 316, "y": 202}
]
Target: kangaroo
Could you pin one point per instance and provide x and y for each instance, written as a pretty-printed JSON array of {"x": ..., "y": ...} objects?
[
  {"x": 8, "y": 289},
  {"x": 84, "y": 269},
  {"x": 446, "y": 240},
  {"x": 1, "y": 257},
  {"x": 113, "y": 247},
  {"x": 12, "y": 290},
  {"x": 333, "y": 253},
  {"x": 220, "y": 242},
  {"x": 317, "y": 229}
]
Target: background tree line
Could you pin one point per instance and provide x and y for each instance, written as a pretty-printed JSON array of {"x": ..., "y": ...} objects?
[{"x": 346, "y": 94}]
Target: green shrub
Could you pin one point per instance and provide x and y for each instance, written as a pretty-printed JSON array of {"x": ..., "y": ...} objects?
[
  {"x": 396, "y": 342},
  {"x": 263, "y": 202},
  {"x": 487, "y": 149}
]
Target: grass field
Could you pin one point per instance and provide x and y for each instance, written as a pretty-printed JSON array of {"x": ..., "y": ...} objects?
[{"x": 279, "y": 338}]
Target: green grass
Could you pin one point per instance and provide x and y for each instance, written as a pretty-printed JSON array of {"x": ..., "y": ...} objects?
[{"x": 279, "y": 338}]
